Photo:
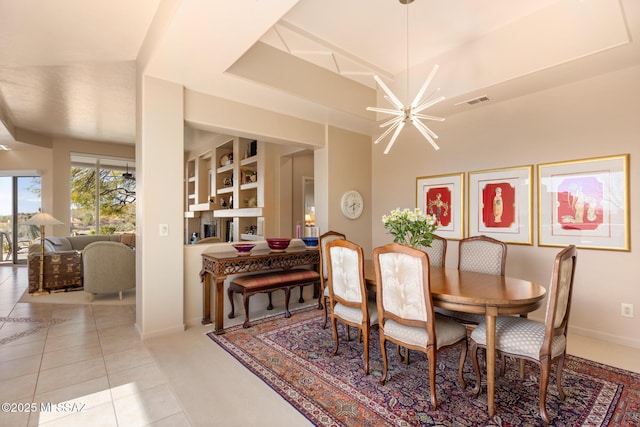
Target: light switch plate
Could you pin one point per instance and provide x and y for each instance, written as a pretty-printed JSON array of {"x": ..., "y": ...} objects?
[{"x": 164, "y": 230}]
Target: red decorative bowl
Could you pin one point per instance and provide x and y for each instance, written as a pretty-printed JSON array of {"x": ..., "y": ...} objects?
[
  {"x": 244, "y": 248},
  {"x": 278, "y": 243}
]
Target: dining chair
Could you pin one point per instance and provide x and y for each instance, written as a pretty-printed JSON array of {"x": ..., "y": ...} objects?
[
  {"x": 325, "y": 238},
  {"x": 540, "y": 342},
  {"x": 348, "y": 293},
  {"x": 406, "y": 314},
  {"x": 480, "y": 254},
  {"x": 437, "y": 255},
  {"x": 437, "y": 251}
]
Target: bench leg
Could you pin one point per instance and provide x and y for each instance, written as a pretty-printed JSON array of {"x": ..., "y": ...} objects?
[
  {"x": 270, "y": 306},
  {"x": 301, "y": 299},
  {"x": 287, "y": 294},
  {"x": 232, "y": 312},
  {"x": 246, "y": 310}
]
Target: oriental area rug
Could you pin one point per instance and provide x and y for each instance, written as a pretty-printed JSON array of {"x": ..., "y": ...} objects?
[{"x": 294, "y": 357}]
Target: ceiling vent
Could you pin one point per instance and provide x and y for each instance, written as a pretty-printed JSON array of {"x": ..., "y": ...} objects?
[{"x": 474, "y": 101}]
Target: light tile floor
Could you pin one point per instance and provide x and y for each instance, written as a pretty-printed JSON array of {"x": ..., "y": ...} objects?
[{"x": 90, "y": 359}]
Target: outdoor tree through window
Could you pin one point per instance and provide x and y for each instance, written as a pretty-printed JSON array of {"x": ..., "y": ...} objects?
[{"x": 103, "y": 196}]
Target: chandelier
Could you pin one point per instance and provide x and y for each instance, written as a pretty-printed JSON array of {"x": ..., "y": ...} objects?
[{"x": 412, "y": 113}]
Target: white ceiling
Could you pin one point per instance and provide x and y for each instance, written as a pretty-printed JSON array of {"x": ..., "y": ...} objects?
[{"x": 67, "y": 67}]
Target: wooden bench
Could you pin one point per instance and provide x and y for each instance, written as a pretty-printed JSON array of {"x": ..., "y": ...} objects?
[{"x": 268, "y": 282}]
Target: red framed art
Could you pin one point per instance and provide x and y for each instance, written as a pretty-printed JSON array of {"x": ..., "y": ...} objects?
[
  {"x": 500, "y": 204},
  {"x": 443, "y": 197},
  {"x": 585, "y": 202}
]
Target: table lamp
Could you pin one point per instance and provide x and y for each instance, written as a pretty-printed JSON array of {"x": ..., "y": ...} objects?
[{"x": 42, "y": 219}]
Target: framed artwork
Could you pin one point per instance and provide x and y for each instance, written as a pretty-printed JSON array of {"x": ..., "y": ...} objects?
[
  {"x": 585, "y": 203},
  {"x": 443, "y": 197},
  {"x": 501, "y": 204}
]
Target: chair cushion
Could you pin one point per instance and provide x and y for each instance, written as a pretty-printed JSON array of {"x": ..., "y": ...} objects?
[
  {"x": 354, "y": 314},
  {"x": 447, "y": 332},
  {"x": 519, "y": 336}
]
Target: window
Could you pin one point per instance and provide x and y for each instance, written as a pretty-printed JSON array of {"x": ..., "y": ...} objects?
[
  {"x": 103, "y": 195},
  {"x": 19, "y": 200}
]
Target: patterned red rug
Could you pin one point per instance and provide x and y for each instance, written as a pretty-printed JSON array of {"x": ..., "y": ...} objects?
[{"x": 294, "y": 357}]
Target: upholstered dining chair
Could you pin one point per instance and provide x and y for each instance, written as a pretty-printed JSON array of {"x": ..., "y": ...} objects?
[
  {"x": 406, "y": 314},
  {"x": 541, "y": 343},
  {"x": 437, "y": 251},
  {"x": 325, "y": 238},
  {"x": 480, "y": 254},
  {"x": 348, "y": 293},
  {"x": 437, "y": 255}
]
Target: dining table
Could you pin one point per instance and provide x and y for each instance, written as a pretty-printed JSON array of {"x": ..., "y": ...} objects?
[{"x": 479, "y": 293}]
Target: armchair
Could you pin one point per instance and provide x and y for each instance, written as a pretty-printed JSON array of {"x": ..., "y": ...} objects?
[{"x": 108, "y": 267}]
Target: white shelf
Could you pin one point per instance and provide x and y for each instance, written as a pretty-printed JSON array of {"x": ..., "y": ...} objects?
[
  {"x": 191, "y": 214},
  {"x": 225, "y": 168},
  {"x": 251, "y": 237},
  {"x": 240, "y": 213},
  {"x": 249, "y": 161},
  {"x": 249, "y": 186},
  {"x": 208, "y": 206},
  {"x": 225, "y": 190}
]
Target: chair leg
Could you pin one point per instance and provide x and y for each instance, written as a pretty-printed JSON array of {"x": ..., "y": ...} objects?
[
  {"x": 476, "y": 368},
  {"x": 383, "y": 352},
  {"x": 334, "y": 330},
  {"x": 544, "y": 382},
  {"x": 365, "y": 332},
  {"x": 463, "y": 357},
  {"x": 559, "y": 377},
  {"x": 431, "y": 355},
  {"x": 324, "y": 307}
]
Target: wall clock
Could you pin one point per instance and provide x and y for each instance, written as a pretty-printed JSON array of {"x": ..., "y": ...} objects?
[{"x": 352, "y": 204}]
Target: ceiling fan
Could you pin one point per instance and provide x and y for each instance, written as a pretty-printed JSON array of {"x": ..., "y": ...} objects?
[{"x": 128, "y": 175}]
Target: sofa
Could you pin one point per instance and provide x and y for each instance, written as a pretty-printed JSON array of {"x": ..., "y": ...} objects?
[{"x": 67, "y": 268}]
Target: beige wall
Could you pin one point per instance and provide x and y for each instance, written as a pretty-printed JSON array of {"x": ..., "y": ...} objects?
[
  {"x": 349, "y": 168},
  {"x": 591, "y": 118}
]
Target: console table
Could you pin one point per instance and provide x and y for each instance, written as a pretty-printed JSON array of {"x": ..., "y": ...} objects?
[{"x": 217, "y": 266}]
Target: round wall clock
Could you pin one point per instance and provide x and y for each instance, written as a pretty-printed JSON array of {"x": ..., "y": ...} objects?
[{"x": 352, "y": 204}]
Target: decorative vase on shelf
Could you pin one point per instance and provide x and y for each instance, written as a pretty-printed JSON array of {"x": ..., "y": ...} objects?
[{"x": 410, "y": 227}]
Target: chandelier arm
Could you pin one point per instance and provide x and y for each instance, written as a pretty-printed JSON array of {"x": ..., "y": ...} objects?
[
  {"x": 425, "y": 85},
  {"x": 425, "y": 132},
  {"x": 426, "y": 129},
  {"x": 394, "y": 100},
  {"x": 392, "y": 121},
  {"x": 387, "y": 132},
  {"x": 423, "y": 116},
  {"x": 427, "y": 104},
  {"x": 386, "y": 111},
  {"x": 393, "y": 138}
]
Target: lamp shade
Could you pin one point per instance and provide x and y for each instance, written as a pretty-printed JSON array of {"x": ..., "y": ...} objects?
[{"x": 42, "y": 218}]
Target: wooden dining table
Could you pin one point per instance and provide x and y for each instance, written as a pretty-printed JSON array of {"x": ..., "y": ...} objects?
[{"x": 479, "y": 293}]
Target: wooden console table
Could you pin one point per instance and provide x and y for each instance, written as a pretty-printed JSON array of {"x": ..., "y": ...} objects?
[{"x": 217, "y": 266}]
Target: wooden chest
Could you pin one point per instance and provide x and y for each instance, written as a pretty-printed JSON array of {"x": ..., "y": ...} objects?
[{"x": 62, "y": 270}]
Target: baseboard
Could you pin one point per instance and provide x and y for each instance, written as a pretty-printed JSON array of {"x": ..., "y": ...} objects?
[
  {"x": 162, "y": 332},
  {"x": 628, "y": 342}
]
